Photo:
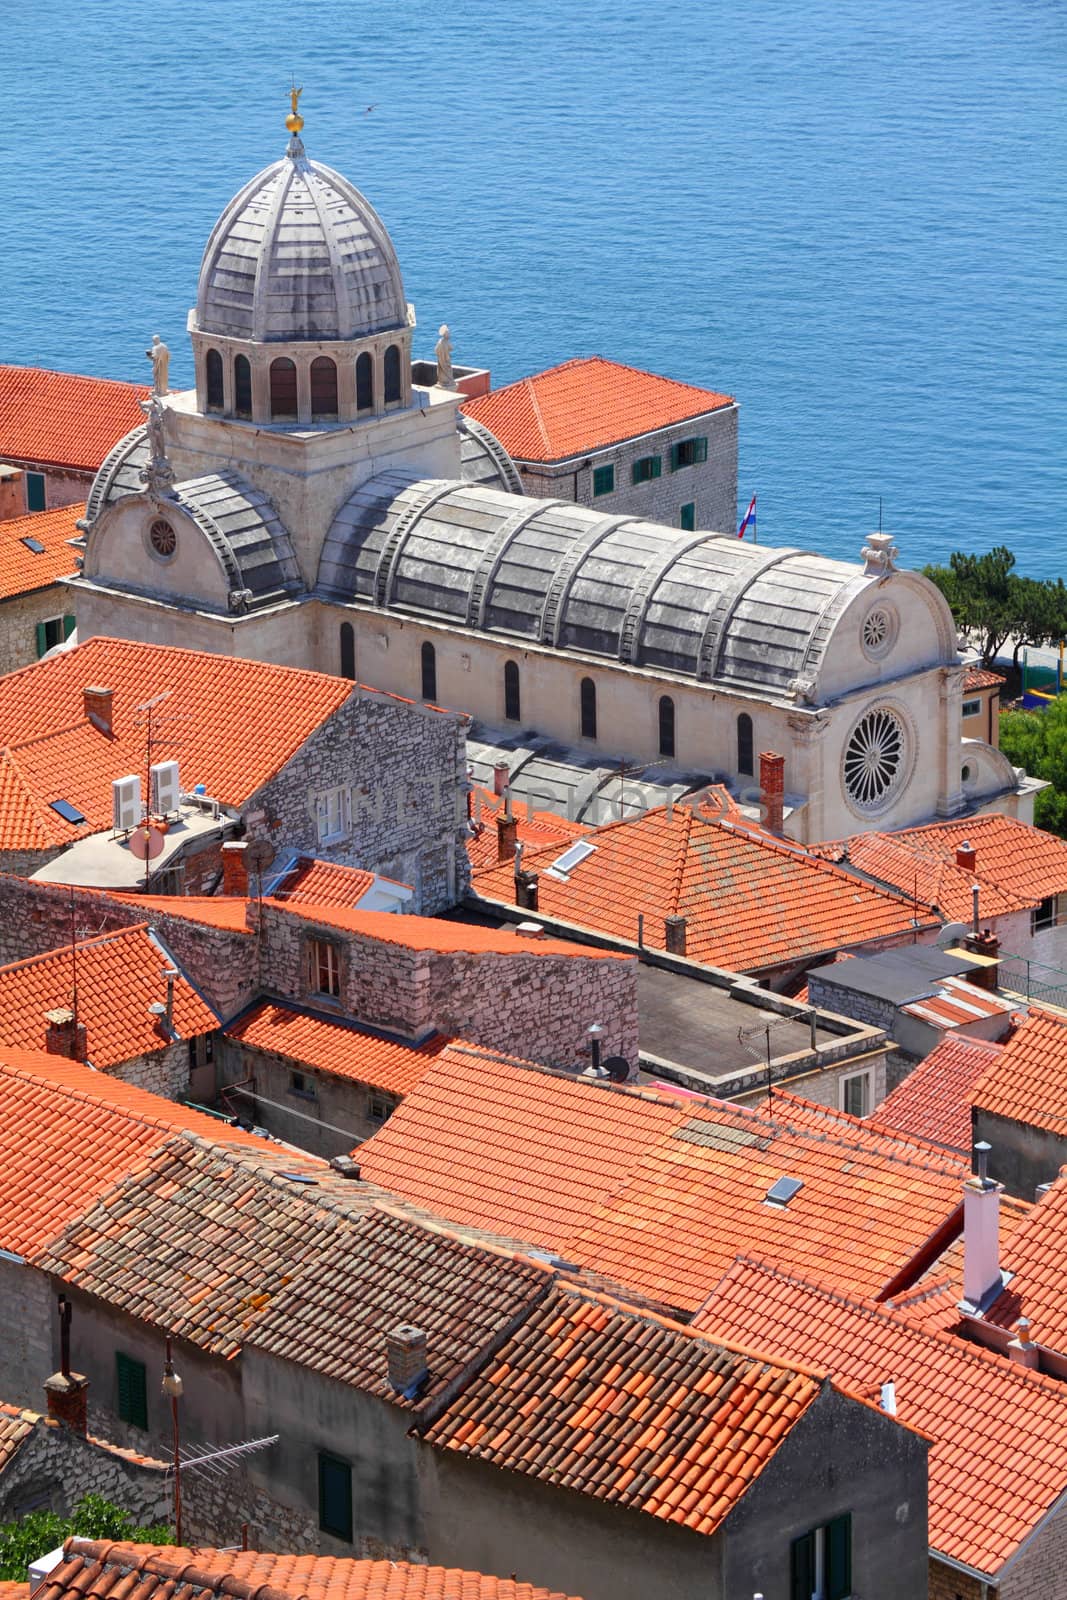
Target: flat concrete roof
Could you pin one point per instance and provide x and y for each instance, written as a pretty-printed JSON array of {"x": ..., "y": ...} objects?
[{"x": 697, "y": 1024}]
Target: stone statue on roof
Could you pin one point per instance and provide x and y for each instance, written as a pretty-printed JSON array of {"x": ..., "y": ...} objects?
[
  {"x": 443, "y": 351},
  {"x": 158, "y": 475},
  {"x": 159, "y": 356}
]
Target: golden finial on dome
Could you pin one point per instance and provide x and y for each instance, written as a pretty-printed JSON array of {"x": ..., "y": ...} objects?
[{"x": 294, "y": 121}]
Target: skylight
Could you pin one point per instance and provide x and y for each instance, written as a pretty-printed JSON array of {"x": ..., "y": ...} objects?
[
  {"x": 35, "y": 545},
  {"x": 68, "y": 812},
  {"x": 572, "y": 857},
  {"x": 782, "y": 1191}
]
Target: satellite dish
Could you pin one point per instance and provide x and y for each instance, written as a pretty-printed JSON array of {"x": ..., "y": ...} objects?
[
  {"x": 259, "y": 855},
  {"x": 617, "y": 1068},
  {"x": 146, "y": 843}
]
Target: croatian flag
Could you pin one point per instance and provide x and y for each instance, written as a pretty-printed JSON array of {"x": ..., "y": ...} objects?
[{"x": 749, "y": 516}]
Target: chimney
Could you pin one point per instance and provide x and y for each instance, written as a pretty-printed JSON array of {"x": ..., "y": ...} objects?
[
  {"x": 507, "y": 831},
  {"x": 67, "y": 1392},
  {"x": 1022, "y": 1349},
  {"x": 99, "y": 706},
  {"x": 772, "y": 789},
  {"x": 501, "y": 777},
  {"x": 526, "y": 889},
  {"x": 234, "y": 869},
  {"x": 966, "y": 856},
  {"x": 674, "y": 935},
  {"x": 12, "y": 493},
  {"x": 405, "y": 1355},
  {"x": 985, "y": 944},
  {"x": 65, "y": 1036},
  {"x": 982, "y": 1280}
]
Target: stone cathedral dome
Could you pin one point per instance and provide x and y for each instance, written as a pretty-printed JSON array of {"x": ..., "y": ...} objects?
[{"x": 299, "y": 253}]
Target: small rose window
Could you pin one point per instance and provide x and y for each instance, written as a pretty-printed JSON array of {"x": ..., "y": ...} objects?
[
  {"x": 163, "y": 539},
  {"x": 878, "y": 631}
]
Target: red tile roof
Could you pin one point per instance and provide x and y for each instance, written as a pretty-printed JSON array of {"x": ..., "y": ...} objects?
[
  {"x": 323, "y": 882},
  {"x": 628, "y": 1408},
  {"x": 934, "y": 1100},
  {"x": 340, "y": 1049},
  {"x": 434, "y": 934},
  {"x": 118, "y": 976},
  {"x": 584, "y": 404},
  {"x": 215, "y": 911},
  {"x": 16, "y": 1425},
  {"x": 64, "y": 419},
  {"x": 67, "y": 1133},
  {"x": 1035, "y": 1256},
  {"x": 98, "y": 1570},
  {"x": 751, "y": 901},
  {"x": 981, "y": 678},
  {"x": 534, "y": 832},
  {"x": 54, "y": 752},
  {"x": 998, "y": 1459},
  {"x": 1026, "y": 1081},
  {"x": 22, "y": 569}
]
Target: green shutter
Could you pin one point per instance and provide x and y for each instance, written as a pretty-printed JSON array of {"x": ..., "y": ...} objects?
[
  {"x": 42, "y": 640},
  {"x": 802, "y": 1581},
  {"x": 335, "y": 1497},
  {"x": 687, "y": 517},
  {"x": 676, "y": 457},
  {"x": 839, "y": 1558},
  {"x": 133, "y": 1390},
  {"x": 700, "y": 451},
  {"x": 69, "y": 624},
  {"x": 657, "y": 467},
  {"x": 35, "y": 491},
  {"x": 603, "y": 480}
]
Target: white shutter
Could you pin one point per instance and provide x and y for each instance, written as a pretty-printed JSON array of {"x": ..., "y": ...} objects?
[
  {"x": 166, "y": 791},
  {"x": 125, "y": 803}
]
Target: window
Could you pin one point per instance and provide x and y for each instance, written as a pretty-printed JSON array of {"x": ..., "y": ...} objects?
[
  {"x": 588, "y": 694},
  {"x": 603, "y": 480},
  {"x": 323, "y": 388},
  {"x": 324, "y": 967},
  {"x": 688, "y": 453},
  {"x": 970, "y": 708},
  {"x": 744, "y": 744},
  {"x": 666, "y": 725},
  {"x": 53, "y": 632},
  {"x": 646, "y": 468},
  {"x": 303, "y": 1085},
  {"x": 380, "y": 1109},
  {"x": 687, "y": 517},
  {"x": 133, "y": 1390},
  {"x": 512, "y": 699},
  {"x": 242, "y": 387},
  {"x": 215, "y": 397},
  {"x": 335, "y": 1497},
  {"x": 35, "y": 491},
  {"x": 348, "y": 650},
  {"x": 282, "y": 388},
  {"x": 429, "y": 671},
  {"x": 364, "y": 383},
  {"x": 856, "y": 1094},
  {"x": 392, "y": 375},
  {"x": 331, "y": 812},
  {"x": 822, "y": 1562},
  {"x": 874, "y": 758},
  {"x": 1044, "y": 915}
]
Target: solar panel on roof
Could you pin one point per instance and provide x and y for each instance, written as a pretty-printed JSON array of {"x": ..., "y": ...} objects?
[
  {"x": 34, "y": 544},
  {"x": 783, "y": 1189},
  {"x": 68, "y": 812}
]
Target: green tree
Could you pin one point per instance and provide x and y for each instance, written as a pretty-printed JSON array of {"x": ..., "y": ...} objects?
[
  {"x": 38, "y": 1532},
  {"x": 993, "y": 604},
  {"x": 1037, "y": 740}
]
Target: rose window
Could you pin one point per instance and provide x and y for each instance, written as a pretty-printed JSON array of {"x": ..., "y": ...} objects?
[
  {"x": 877, "y": 631},
  {"x": 163, "y": 538},
  {"x": 874, "y": 756}
]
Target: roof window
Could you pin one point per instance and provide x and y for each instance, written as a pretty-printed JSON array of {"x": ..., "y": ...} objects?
[
  {"x": 572, "y": 857},
  {"x": 782, "y": 1191},
  {"x": 35, "y": 545},
  {"x": 68, "y": 812}
]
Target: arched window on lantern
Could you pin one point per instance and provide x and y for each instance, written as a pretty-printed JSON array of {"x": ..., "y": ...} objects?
[
  {"x": 282, "y": 389},
  {"x": 242, "y": 387},
  {"x": 323, "y": 389},
  {"x": 429, "y": 671},
  {"x": 348, "y": 650},
  {"x": 365, "y": 382},
  {"x": 512, "y": 698},
  {"x": 216, "y": 398},
  {"x": 588, "y": 699},
  {"x": 666, "y": 725},
  {"x": 392, "y": 375},
  {"x": 744, "y": 744}
]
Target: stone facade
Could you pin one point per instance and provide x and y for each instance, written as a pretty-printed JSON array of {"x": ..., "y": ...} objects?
[
  {"x": 310, "y": 1117},
  {"x": 19, "y": 618},
  {"x": 63, "y": 486},
  {"x": 54, "y": 1468},
  {"x": 26, "y": 1353},
  {"x": 1022, "y": 1156},
  {"x": 163, "y": 1072}
]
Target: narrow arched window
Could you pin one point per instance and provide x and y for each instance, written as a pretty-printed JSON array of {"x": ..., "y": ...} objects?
[
  {"x": 588, "y": 708},
  {"x": 744, "y": 744},
  {"x": 364, "y": 383},
  {"x": 215, "y": 396},
  {"x": 348, "y": 650},
  {"x": 282, "y": 388},
  {"x": 242, "y": 386},
  {"x": 392, "y": 374},
  {"x": 323, "y": 388},
  {"x": 512, "y": 699},
  {"x": 666, "y": 725},
  {"x": 429, "y": 671}
]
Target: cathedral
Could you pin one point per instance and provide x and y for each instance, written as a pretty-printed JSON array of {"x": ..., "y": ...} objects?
[{"x": 319, "y": 500}]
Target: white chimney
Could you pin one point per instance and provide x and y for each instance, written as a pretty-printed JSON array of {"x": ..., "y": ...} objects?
[{"x": 982, "y": 1279}]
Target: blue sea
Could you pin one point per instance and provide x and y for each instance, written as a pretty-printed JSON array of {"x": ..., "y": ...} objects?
[{"x": 847, "y": 214}]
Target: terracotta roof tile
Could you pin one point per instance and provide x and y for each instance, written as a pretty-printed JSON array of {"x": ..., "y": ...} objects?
[
  {"x": 534, "y": 831},
  {"x": 341, "y": 1049},
  {"x": 11, "y": 1589},
  {"x": 934, "y": 1100},
  {"x": 16, "y": 1425},
  {"x": 584, "y": 404},
  {"x": 23, "y": 569},
  {"x": 93, "y": 1570},
  {"x": 981, "y": 678},
  {"x": 751, "y": 900},
  {"x": 437, "y": 934},
  {"x": 323, "y": 883},
  {"x": 1036, "y": 1257},
  {"x": 118, "y": 976},
  {"x": 67, "y": 1133},
  {"x": 651, "y": 1416},
  {"x": 1026, "y": 1081},
  {"x": 998, "y": 1459},
  {"x": 64, "y": 419},
  {"x": 215, "y": 911}
]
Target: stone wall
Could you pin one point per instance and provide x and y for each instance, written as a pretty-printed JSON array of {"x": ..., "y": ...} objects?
[
  {"x": 63, "y": 486},
  {"x": 54, "y": 1468},
  {"x": 308, "y": 1118},
  {"x": 19, "y": 617},
  {"x": 402, "y": 771},
  {"x": 945, "y": 1583},
  {"x": 1038, "y": 1571},
  {"x": 26, "y": 1356},
  {"x": 1021, "y": 1156},
  {"x": 164, "y": 1072}
]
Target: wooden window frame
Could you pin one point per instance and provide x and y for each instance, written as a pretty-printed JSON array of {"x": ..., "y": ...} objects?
[
  {"x": 606, "y": 472},
  {"x": 131, "y": 1379},
  {"x": 324, "y": 968},
  {"x": 341, "y": 1528},
  {"x": 646, "y": 468}
]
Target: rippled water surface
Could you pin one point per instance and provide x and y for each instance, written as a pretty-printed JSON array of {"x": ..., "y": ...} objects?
[{"x": 847, "y": 214}]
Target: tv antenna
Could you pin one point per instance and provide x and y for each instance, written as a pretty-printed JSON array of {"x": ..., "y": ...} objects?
[{"x": 756, "y": 1039}]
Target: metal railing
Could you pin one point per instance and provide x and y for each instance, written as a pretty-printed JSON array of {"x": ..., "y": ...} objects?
[{"x": 1033, "y": 980}]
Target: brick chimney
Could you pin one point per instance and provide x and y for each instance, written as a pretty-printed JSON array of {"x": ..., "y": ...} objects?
[
  {"x": 67, "y": 1392},
  {"x": 99, "y": 705},
  {"x": 12, "y": 493},
  {"x": 235, "y": 869},
  {"x": 674, "y": 935},
  {"x": 65, "y": 1036},
  {"x": 526, "y": 889},
  {"x": 501, "y": 777},
  {"x": 405, "y": 1356},
  {"x": 982, "y": 1278},
  {"x": 966, "y": 855},
  {"x": 507, "y": 831},
  {"x": 986, "y": 944},
  {"x": 772, "y": 789}
]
